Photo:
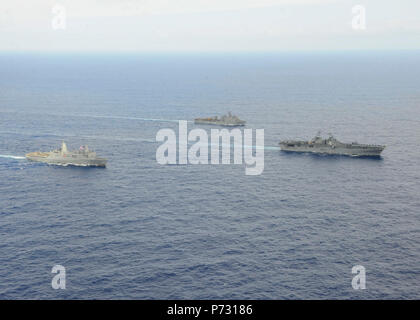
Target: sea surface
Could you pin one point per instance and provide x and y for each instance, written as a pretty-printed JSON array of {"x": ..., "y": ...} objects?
[{"x": 141, "y": 230}]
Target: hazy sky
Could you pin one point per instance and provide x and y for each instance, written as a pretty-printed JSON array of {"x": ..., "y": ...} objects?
[{"x": 206, "y": 25}]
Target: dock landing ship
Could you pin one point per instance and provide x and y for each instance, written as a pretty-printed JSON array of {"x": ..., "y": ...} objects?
[
  {"x": 82, "y": 157},
  {"x": 228, "y": 120},
  {"x": 331, "y": 145}
]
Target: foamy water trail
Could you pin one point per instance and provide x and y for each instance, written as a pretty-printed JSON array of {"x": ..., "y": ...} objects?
[
  {"x": 245, "y": 146},
  {"x": 11, "y": 157},
  {"x": 133, "y": 118},
  {"x": 104, "y": 117}
]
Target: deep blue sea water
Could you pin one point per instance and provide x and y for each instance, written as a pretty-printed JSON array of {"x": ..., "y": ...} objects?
[{"x": 140, "y": 230}]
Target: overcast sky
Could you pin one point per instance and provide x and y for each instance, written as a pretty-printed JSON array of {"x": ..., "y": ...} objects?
[{"x": 206, "y": 25}]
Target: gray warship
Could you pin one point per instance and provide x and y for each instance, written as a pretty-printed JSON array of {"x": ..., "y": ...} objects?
[
  {"x": 82, "y": 157},
  {"x": 331, "y": 145},
  {"x": 228, "y": 120}
]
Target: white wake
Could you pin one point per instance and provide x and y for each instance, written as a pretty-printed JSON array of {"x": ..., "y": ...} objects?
[{"x": 11, "y": 157}]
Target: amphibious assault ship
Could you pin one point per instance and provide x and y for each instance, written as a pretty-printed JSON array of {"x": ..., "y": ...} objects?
[
  {"x": 332, "y": 146},
  {"x": 82, "y": 157},
  {"x": 228, "y": 120}
]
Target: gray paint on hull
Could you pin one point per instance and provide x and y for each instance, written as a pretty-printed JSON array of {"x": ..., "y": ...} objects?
[
  {"x": 355, "y": 152},
  {"x": 219, "y": 123},
  {"x": 73, "y": 162}
]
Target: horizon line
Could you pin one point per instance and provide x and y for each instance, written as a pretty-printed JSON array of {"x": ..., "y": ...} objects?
[{"x": 207, "y": 51}]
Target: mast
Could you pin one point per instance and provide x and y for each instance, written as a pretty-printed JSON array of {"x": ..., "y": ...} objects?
[{"x": 63, "y": 148}]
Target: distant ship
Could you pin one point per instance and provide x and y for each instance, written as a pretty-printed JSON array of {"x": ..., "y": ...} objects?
[
  {"x": 332, "y": 146},
  {"x": 228, "y": 120},
  {"x": 82, "y": 157}
]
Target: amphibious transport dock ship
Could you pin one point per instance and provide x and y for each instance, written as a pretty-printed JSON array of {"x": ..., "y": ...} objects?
[
  {"x": 228, "y": 120},
  {"x": 332, "y": 146},
  {"x": 82, "y": 157}
]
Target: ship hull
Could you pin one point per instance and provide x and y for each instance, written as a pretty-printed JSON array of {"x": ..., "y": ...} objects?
[
  {"x": 219, "y": 123},
  {"x": 353, "y": 152},
  {"x": 98, "y": 162}
]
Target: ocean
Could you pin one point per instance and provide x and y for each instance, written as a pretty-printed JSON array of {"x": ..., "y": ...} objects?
[{"x": 141, "y": 230}]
